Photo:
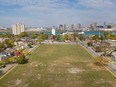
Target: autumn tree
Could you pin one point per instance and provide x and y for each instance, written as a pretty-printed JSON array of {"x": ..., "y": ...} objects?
[
  {"x": 2, "y": 45},
  {"x": 106, "y": 35},
  {"x": 9, "y": 43},
  {"x": 81, "y": 37},
  {"x": 65, "y": 37},
  {"x": 25, "y": 52},
  {"x": 96, "y": 37},
  {"x": 33, "y": 36},
  {"x": 23, "y": 34},
  {"x": 40, "y": 40},
  {"x": 21, "y": 59},
  {"x": 101, "y": 61}
]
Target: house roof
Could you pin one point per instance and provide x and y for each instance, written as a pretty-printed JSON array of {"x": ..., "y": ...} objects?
[{"x": 114, "y": 54}]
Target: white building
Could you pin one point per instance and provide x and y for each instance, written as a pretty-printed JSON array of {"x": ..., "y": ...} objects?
[
  {"x": 18, "y": 28},
  {"x": 34, "y": 29},
  {"x": 108, "y": 29},
  {"x": 53, "y": 31}
]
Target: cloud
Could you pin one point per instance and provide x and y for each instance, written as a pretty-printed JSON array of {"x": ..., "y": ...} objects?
[
  {"x": 26, "y": 3},
  {"x": 102, "y": 4},
  {"x": 55, "y": 12}
]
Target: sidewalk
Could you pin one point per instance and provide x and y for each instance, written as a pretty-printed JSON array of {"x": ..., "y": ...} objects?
[
  {"x": 111, "y": 67},
  {"x": 8, "y": 66}
]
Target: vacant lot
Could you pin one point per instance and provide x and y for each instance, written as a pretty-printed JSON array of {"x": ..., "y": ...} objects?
[{"x": 59, "y": 66}]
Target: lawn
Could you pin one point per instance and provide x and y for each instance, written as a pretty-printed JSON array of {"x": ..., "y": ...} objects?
[{"x": 59, "y": 66}]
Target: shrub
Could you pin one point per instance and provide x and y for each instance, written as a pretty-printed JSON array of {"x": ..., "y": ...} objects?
[
  {"x": 100, "y": 61},
  {"x": 97, "y": 61},
  {"x": 98, "y": 49},
  {"x": 25, "y": 52},
  {"x": 21, "y": 59},
  {"x": 29, "y": 45},
  {"x": 11, "y": 59},
  {"x": 89, "y": 44}
]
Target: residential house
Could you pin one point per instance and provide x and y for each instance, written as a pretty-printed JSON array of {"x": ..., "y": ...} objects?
[{"x": 114, "y": 55}]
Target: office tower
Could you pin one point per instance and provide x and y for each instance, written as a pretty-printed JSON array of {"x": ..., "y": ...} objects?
[
  {"x": 105, "y": 26},
  {"x": 78, "y": 27},
  {"x": 65, "y": 27},
  {"x": 114, "y": 26},
  {"x": 60, "y": 27},
  {"x": 93, "y": 26},
  {"x": 72, "y": 27},
  {"x": 18, "y": 28}
]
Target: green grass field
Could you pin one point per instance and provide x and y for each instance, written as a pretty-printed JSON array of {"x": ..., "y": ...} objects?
[{"x": 59, "y": 66}]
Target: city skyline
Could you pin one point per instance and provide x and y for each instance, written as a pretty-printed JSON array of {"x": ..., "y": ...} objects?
[{"x": 55, "y": 12}]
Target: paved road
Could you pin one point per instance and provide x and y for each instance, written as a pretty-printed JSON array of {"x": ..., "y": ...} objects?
[
  {"x": 112, "y": 67},
  {"x": 8, "y": 66}
]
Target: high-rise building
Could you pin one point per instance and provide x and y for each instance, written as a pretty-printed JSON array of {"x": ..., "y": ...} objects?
[
  {"x": 72, "y": 27},
  {"x": 78, "y": 27},
  {"x": 93, "y": 26},
  {"x": 65, "y": 27},
  {"x": 60, "y": 27},
  {"x": 105, "y": 25},
  {"x": 114, "y": 26},
  {"x": 18, "y": 28}
]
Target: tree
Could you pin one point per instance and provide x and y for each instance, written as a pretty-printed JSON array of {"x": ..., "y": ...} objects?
[
  {"x": 16, "y": 37},
  {"x": 23, "y": 34},
  {"x": 101, "y": 37},
  {"x": 17, "y": 53},
  {"x": 89, "y": 44},
  {"x": 57, "y": 37},
  {"x": 9, "y": 43},
  {"x": 21, "y": 59},
  {"x": 30, "y": 45},
  {"x": 115, "y": 48},
  {"x": 33, "y": 36},
  {"x": 113, "y": 37},
  {"x": 97, "y": 61},
  {"x": 11, "y": 59},
  {"x": 20, "y": 50},
  {"x": 98, "y": 49},
  {"x": 2, "y": 45},
  {"x": 106, "y": 48},
  {"x": 40, "y": 40},
  {"x": 105, "y": 61},
  {"x": 44, "y": 36},
  {"x": 50, "y": 37},
  {"x": 101, "y": 61},
  {"x": 69, "y": 37},
  {"x": 73, "y": 37},
  {"x": 65, "y": 37},
  {"x": 1, "y": 49},
  {"x": 81, "y": 37},
  {"x": 25, "y": 52},
  {"x": 96, "y": 37},
  {"x": 6, "y": 60},
  {"x": 6, "y": 35},
  {"x": 106, "y": 35}
]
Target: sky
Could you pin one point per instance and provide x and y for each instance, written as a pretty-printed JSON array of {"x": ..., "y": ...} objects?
[{"x": 41, "y": 13}]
